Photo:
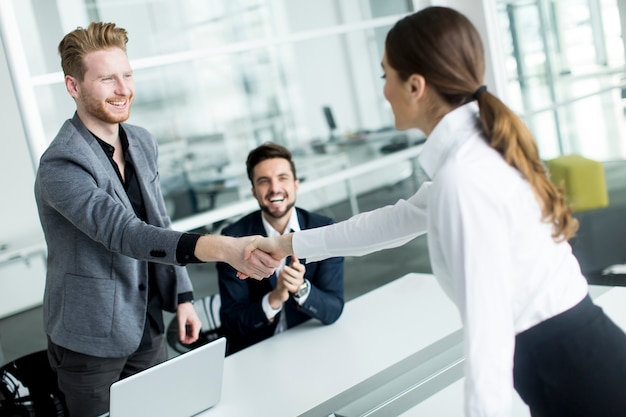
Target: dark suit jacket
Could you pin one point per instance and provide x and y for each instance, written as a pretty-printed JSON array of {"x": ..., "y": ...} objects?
[
  {"x": 95, "y": 298},
  {"x": 243, "y": 319}
]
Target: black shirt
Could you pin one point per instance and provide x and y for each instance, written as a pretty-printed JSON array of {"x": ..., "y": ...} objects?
[{"x": 184, "y": 250}]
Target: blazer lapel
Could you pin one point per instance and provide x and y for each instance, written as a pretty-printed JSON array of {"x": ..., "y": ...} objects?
[
  {"x": 142, "y": 165},
  {"x": 256, "y": 225},
  {"x": 102, "y": 159}
]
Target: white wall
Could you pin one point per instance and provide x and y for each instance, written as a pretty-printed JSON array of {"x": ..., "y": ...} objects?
[
  {"x": 18, "y": 214},
  {"x": 21, "y": 283}
]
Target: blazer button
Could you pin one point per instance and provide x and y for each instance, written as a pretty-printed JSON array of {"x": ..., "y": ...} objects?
[{"x": 142, "y": 287}]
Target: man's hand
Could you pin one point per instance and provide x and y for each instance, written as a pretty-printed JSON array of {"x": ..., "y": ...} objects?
[
  {"x": 288, "y": 281},
  {"x": 188, "y": 323},
  {"x": 292, "y": 276},
  {"x": 266, "y": 251},
  {"x": 278, "y": 247},
  {"x": 278, "y": 296},
  {"x": 238, "y": 253}
]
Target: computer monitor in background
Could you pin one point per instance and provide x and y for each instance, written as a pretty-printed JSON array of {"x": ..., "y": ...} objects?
[{"x": 330, "y": 121}]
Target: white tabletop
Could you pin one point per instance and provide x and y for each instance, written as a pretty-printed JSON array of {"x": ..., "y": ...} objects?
[
  {"x": 305, "y": 366},
  {"x": 613, "y": 302},
  {"x": 300, "y": 369},
  {"x": 449, "y": 401}
]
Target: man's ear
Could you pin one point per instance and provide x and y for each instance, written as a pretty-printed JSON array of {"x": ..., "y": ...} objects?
[
  {"x": 417, "y": 85},
  {"x": 71, "y": 84}
]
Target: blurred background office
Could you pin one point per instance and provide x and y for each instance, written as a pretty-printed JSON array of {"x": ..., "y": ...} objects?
[{"x": 217, "y": 78}]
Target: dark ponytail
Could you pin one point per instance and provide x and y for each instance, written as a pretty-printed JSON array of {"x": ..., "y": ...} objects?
[
  {"x": 509, "y": 135},
  {"x": 444, "y": 47}
]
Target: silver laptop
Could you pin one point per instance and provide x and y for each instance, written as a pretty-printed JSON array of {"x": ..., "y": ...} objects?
[{"x": 180, "y": 387}]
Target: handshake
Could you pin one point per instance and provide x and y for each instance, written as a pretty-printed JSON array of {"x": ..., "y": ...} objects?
[{"x": 252, "y": 256}]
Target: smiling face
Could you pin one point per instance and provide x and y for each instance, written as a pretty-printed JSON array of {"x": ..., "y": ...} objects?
[
  {"x": 274, "y": 187},
  {"x": 105, "y": 94}
]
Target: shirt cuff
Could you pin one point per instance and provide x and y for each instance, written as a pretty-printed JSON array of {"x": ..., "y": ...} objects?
[
  {"x": 270, "y": 313},
  {"x": 186, "y": 248},
  {"x": 185, "y": 297}
]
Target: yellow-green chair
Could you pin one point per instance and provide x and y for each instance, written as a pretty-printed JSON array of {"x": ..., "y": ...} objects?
[{"x": 582, "y": 180}]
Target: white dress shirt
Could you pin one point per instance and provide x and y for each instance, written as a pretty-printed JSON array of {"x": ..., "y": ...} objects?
[
  {"x": 270, "y": 313},
  {"x": 489, "y": 249}
]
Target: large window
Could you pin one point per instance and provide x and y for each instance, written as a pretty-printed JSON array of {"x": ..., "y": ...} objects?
[
  {"x": 216, "y": 78},
  {"x": 565, "y": 62}
]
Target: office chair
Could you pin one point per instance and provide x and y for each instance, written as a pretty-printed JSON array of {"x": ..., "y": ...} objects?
[
  {"x": 601, "y": 242},
  {"x": 28, "y": 388},
  {"x": 208, "y": 310}
]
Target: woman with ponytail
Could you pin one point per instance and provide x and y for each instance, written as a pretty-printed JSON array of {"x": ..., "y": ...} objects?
[{"x": 497, "y": 229}]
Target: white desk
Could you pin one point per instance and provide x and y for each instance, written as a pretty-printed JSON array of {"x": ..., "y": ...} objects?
[
  {"x": 295, "y": 371},
  {"x": 613, "y": 302},
  {"x": 300, "y": 371},
  {"x": 449, "y": 401},
  {"x": 22, "y": 275}
]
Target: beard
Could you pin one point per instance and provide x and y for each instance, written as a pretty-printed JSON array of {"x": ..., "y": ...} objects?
[
  {"x": 277, "y": 215},
  {"x": 98, "y": 109}
]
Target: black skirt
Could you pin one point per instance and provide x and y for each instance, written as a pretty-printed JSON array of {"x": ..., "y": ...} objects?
[{"x": 573, "y": 364}]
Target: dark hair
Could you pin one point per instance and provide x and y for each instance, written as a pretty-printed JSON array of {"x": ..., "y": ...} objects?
[
  {"x": 268, "y": 150},
  {"x": 78, "y": 43},
  {"x": 444, "y": 47}
]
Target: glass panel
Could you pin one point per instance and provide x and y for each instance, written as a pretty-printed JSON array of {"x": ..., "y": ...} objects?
[
  {"x": 558, "y": 54},
  {"x": 225, "y": 81},
  {"x": 159, "y": 27},
  {"x": 214, "y": 79}
]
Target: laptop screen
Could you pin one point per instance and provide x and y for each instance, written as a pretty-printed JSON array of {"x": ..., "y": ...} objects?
[{"x": 180, "y": 387}]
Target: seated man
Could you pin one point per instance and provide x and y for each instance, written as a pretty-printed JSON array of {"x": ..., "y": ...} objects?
[{"x": 255, "y": 310}]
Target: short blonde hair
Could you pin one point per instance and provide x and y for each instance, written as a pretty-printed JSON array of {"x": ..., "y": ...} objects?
[{"x": 79, "y": 42}]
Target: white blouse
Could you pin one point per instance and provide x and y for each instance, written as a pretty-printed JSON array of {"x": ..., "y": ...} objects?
[{"x": 489, "y": 249}]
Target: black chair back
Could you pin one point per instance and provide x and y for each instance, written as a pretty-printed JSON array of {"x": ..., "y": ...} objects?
[{"x": 28, "y": 388}]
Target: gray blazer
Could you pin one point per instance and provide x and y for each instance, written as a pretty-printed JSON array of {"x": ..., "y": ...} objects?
[{"x": 95, "y": 296}]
